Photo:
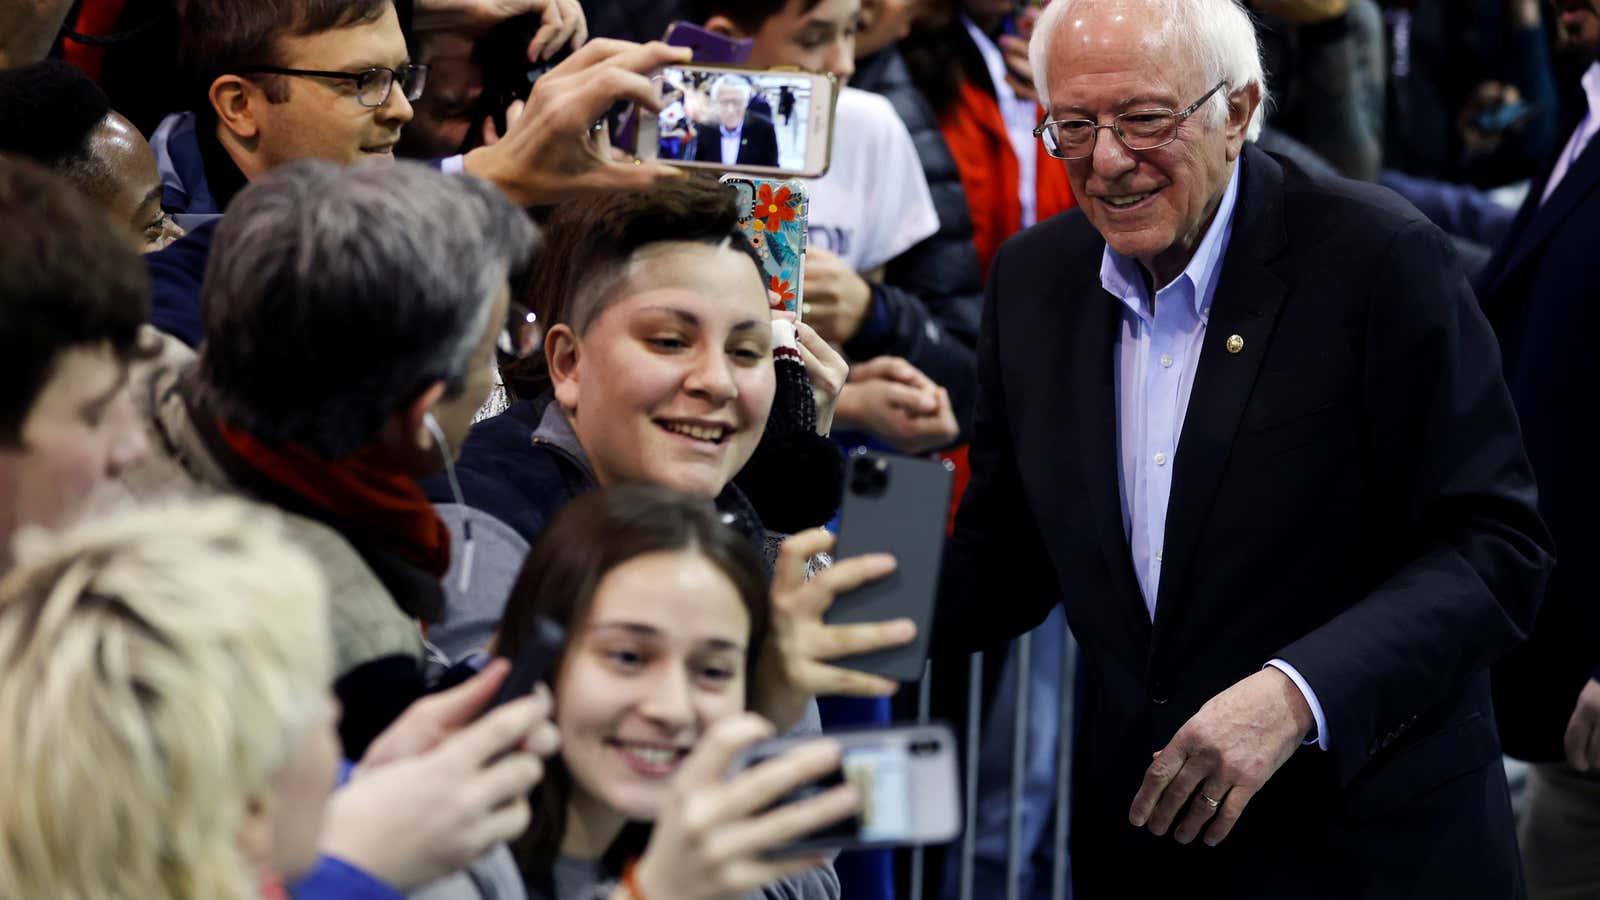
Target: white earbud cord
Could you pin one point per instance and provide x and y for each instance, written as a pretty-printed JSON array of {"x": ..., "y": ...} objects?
[{"x": 467, "y": 545}]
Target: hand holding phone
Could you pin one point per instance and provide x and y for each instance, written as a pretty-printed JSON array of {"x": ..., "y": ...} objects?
[
  {"x": 904, "y": 776},
  {"x": 715, "y": 834},
  {"x": 799, "y": 661}
]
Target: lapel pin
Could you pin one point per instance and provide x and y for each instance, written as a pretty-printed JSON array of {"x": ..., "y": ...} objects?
[{"x": 1235, "y": 344}]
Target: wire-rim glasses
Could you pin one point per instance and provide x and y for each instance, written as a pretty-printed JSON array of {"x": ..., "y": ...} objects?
[
  {"x": 372, "y": 85},
  {"x": 1140, "y": 130}
]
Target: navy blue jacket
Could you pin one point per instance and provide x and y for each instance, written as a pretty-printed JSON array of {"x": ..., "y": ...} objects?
[{"x": 1539, "y": 293}]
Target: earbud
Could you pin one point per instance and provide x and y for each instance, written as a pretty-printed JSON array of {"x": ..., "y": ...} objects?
[{"x": 468, "y": 546}]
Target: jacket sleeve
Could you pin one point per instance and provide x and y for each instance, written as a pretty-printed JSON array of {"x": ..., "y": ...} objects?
[
  {"x": 996, "y": 543},
  {"x": 1471, "y": 556},
  {"x": 334, "y": 879}
]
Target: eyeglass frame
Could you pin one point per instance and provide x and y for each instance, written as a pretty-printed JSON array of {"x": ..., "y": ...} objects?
[
  {"x": 394, "y": 78},
  {"x": 1116, "y": 126}
]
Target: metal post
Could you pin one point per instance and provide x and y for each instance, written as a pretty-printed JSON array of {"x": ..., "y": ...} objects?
[
  {"x": 1023, "y": 663},
  {"x": 924, "y": 704},
  {"x": 969, "y": 834},
  {"x": 1069, "y": 670}
]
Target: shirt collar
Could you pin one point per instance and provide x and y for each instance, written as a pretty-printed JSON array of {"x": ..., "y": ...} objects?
[
  {"x": 1591, "y": 87},
  {"x": 1121, "y": 276}
]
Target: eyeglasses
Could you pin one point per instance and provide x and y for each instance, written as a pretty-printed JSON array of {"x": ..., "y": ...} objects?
[
  {"x": 372, "y": 85},
  {"x": 522, "y": 335},
  {"x": 1139, "y": 131}
]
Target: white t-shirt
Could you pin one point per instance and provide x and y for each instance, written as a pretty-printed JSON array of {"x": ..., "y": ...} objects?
[{"x": 874, "y": 203}]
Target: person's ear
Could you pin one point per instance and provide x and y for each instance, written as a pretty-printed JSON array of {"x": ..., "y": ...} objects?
[
  {"x": 254, "y": 835},
  {"x": 231, "y": 97},
  {"x": 1242, "y": 106},
  {"x": 408, "y": 426},
  {"x": 563, "y": 360},
  {"x": 724, "y": 26}
]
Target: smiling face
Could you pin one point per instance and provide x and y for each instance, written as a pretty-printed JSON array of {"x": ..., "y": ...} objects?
[
  {"x": 672, "y": 382},
  {"x": 731, "y": 105},
  {"x": 660, "y": 659},
  {"x": 1154, "y": 206},
  {"x": 321, "y": 118}
]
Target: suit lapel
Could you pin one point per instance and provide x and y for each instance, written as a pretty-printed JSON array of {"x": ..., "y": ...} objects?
[
  {"x": 1245, "y": 305},
  {"x": 1535, "y": 223},
  {"x": 1088, "y": 369}
]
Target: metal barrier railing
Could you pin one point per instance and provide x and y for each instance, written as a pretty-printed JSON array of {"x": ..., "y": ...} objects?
[{"x": 1022, "y": 658}]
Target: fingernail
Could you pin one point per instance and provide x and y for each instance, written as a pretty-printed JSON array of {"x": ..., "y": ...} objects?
[{"x": 905, "y": 629}]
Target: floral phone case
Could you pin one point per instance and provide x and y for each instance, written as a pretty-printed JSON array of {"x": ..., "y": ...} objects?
[{"x": 773, "y": 219}]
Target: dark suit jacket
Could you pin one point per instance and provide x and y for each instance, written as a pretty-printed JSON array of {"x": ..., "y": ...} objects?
[
  {"x": 758, "y": 143},
  {"x": 1540, "y": 293},
  {"x": 1350, "y": 495}
]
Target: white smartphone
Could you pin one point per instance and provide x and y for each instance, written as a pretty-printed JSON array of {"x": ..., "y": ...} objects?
[
  {"x": 739, "y": 119},
  {"x": 906, "y": 775}
]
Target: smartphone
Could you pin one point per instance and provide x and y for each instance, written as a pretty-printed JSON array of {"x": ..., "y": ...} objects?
[
  {"x": 906, "y": 776},
  {"x": 1503, "y": 118},
  {"x": 773, "y": 216},
  {"x": 895, "y": 505},
  {"x": 531, "y": 663},
  {"x": 708, "y": 46},
  {"x": 738, "y": 119}
]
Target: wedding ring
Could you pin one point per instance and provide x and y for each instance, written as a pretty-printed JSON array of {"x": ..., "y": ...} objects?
[
  {"x": 805, "y": 309},
  {"x": 1214, "y": 804}
]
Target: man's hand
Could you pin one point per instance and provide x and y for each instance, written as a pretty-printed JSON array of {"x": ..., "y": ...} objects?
[
  {"x": 1303, "y": 12},
  {"x": 409, "y": 821},
  {"x": 1019, "y": 70},
  {"x": 837, "y": 299},
  {"x": 794, "y": 665},
  {"x": 561, "y": 21},
  {"x": 1582, "y": 740},
  {"x": 428, "y": 722},
  {"x": 712, "y": 838},
  {"x": 893, "y": 400},
  {"x": 1226, "y": 752},
  {"x": 552, "y": 152}
]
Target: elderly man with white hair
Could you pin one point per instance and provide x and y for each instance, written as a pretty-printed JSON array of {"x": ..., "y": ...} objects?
[
  {"x": 1248, "y": 424},
  {"x": 742, "y": 136}
]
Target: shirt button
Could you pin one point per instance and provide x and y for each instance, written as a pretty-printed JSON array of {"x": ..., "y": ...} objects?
[
  {"x": 1161, "y": 459},
  {"x": 1166, "y": 361}
]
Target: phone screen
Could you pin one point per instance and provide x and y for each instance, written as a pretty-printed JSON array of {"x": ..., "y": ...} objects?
[
  {"x": 735, "y": 118},
  {"x": 884, "y": 776}
]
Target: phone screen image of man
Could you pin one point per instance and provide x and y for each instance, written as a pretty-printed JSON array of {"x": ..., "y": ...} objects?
[{"x": 732, "y": 119}]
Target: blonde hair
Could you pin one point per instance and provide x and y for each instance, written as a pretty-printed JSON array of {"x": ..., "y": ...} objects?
[{"x": 155, "y": 669}]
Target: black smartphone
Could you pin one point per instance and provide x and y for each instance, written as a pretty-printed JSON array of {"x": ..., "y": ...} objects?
[
  {"x": 895, "y": 505},
  {"x": 531, "y": 664},
  {"x": 905, "y": 775}
]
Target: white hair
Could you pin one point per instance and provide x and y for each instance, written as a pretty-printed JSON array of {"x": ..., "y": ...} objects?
[
  {"x": 733, "y": 81},
  {"x": 1218, "y": 35}
]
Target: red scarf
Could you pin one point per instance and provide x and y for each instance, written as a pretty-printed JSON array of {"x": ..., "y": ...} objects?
[{"x": 379, "y": 503}]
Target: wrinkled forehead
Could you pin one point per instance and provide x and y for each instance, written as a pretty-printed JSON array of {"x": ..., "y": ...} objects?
[{"x": 1119, "y": 50}]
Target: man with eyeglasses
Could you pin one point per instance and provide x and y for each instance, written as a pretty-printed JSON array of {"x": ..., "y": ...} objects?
[
  {"x": 333, "y": 80},
  {"x": 1248, "y": 425}
]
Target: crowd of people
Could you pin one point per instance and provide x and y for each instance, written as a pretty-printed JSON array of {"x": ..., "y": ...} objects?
[{"x": 351, "y": 350}]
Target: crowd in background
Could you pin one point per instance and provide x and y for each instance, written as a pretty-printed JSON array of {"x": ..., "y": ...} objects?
[{"x": 333, "y": 370}]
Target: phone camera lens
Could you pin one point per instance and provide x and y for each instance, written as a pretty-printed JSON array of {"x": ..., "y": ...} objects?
[
  {"x": 924, "y": 748},
  {"x": 869, "y": 476}
]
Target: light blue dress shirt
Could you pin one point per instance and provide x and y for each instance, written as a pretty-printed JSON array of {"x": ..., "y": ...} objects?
[
  {"x": 1158, "y": 353},
  {"x": 730, "y": 144}
]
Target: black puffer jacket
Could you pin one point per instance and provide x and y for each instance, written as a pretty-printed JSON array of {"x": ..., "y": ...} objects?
[{"x": 933, "y": 292}]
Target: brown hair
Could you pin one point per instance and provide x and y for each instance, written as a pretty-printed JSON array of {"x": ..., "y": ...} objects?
[
  {"x": 588, "y": 538},
  {"x": 588, "y": 243},
  {"x": 216, "y": 37}
]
